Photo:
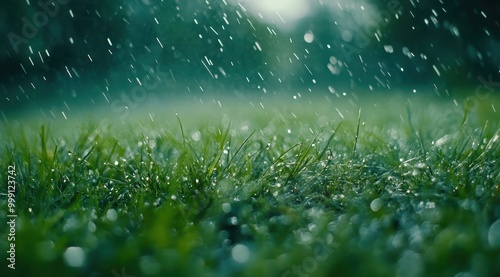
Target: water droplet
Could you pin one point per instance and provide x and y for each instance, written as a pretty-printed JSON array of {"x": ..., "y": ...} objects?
[
  {"x": 436, "y": 69},
  {"x": 70, "y": 224},
  {"x": 74, "y": 256},
  {"x": 376, "y": 204},
  {"x": 258, "y": 46},
  {"x": 407, "y": 52},
  {"x": 91, "y": 227},
  {"x": 420, "y": 165},
  {"x": 494, "y": 234},
  {"x": 347, "y": 36},
  {"x": 111, "y": 215},
  {"x": 240, "y": 253},
  {"x": 309, "y": 37},
  {"x": 226, "y": 207}
]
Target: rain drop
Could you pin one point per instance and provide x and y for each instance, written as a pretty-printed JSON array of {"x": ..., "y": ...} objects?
[
  {"x": 494, "y": 235},
  {"x": 111, "y": 215},
  {"x": 309, "y": 37},
  {"x": 388, "y": 48},
  {"x": 74, "y": 256},
  {"x": 226, "y": 208},
  {"x": 376, "y": 204},
  {"x": 240, "y": 253}
]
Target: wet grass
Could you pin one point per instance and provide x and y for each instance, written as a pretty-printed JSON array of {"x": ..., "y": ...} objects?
[{"x": 318, "y": 188}]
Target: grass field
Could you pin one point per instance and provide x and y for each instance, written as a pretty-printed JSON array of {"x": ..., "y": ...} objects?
[{"x": 319, "y": 187}]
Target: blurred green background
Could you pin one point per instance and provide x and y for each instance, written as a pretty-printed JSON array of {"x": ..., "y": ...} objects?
[{"x": 80, "y": 53}]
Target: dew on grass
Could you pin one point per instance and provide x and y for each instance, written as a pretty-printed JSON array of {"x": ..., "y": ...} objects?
[
  {"x": 233, "y": 220},
  {"x": 157, "y": 202},
  {"x": 430, "y": 205},
  {"x": 196, "y": 136},
  {"x": 376, "y": 204},
  {"x": 305, "y": 237},
  {"x": 226, "y": 208},
  {"x": 312, "y": 227},
  {"x": 494, "y": 234},
  {"x": 111, "y": 215},
  {"x": 440, "y": 142},
  {"x": 74, "y": 256},
  {"x": 420, "y": 165},
  {"x": 240, "y": 253},
  {"x": 91, "y": 227},
  {"x": 71, "y": 224}
]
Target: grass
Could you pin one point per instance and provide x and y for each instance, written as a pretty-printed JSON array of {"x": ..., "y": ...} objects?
[{"x": 388, "y": 187}]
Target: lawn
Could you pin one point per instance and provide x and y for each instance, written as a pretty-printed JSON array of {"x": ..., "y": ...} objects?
[{"x": 318, "y": 186}]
